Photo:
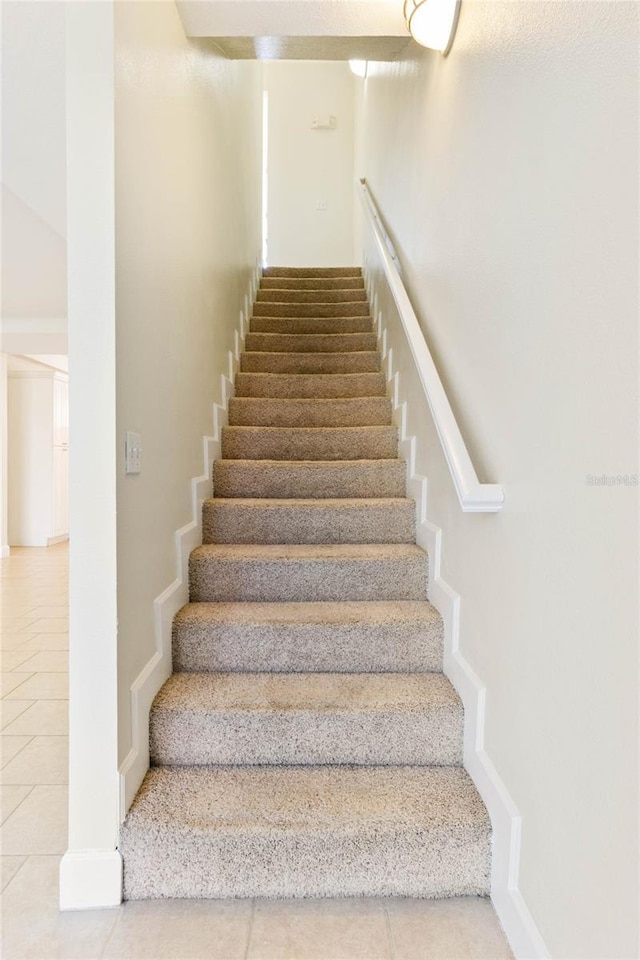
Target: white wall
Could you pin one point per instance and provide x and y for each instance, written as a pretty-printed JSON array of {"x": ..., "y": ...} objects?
[
  {"x": 33, "y": 162},
  {"x": 188, "y": 208},
  {"x": 33, "y": 107},
  {"x": 30, "y": 454},
  {"x": 306, "y": 166},
  {"x": 4, "y": 475},
  {"x": 34, "y": 267},
  {"x": 507, "y": 175}
]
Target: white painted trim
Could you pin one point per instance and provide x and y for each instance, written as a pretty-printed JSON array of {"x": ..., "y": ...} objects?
[
  {"x": 5, "y": 551},
  {"x": 46, "y": 374},
  {"x": 90, "y": 879},
  {"x": 158, "y": 668},
  {"x": 474, "y": 497},
  {"x": 62, "y": 538},
  {"x": 519, "y": 926}
]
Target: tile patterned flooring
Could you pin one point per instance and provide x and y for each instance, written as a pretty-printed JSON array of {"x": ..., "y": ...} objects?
[{"x": 33, "y": 806}]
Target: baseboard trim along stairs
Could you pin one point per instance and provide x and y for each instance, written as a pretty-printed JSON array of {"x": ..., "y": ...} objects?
[{"x": 308, "y": 743}]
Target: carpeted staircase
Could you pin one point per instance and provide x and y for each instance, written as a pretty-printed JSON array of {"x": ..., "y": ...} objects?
[{"x": 308, "y": 744}]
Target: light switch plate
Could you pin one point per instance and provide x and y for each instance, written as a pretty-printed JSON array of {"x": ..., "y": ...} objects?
[{"x": 133, "y": 452}]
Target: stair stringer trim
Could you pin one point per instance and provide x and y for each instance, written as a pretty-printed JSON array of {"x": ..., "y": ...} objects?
[
  {"x": 158, "y": 667},
  {"x": 519, "y": 926}
]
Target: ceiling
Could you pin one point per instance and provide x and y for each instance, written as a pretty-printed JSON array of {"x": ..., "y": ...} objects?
[{"x": 298, "y": 29}]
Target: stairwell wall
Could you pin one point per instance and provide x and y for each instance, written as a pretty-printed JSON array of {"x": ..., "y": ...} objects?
[
  {"x": 308, "y": 167},
  {"x": 188, "y": 237},
  {"x": 507, "y": 176}
]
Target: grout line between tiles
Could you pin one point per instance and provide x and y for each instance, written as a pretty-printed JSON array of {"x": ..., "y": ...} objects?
[
  {"x": 15, "y": 810},
  {"x": 250, "y": 928},
  {"x": 392, "y": 944},
  {"x": 7, "y": 762}
]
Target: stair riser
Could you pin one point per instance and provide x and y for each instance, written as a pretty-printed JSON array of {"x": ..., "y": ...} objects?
[
  {"x": 284, "y": 580},
  {"x": 311, "y": 343},
  {"x": 306, "y": 737},
  {"x": 312, "y": 283},
  {"x": 309, "y": 363},
  {"x": 313, "y": 272},
  {"x": 363, "y": 647},
  {"x": 349, "y": 412},
  {"x": 291, "y": 480},
  {"x": 348, "y": 309},
  {"x": 308, "y": 863},
  {"x": 330, "y": 325},
  {"x": 233, "y": 522},
  {"x": 314, "y": 443},
  {"x": 314, "y": 385},
  {"x": 311, "y": 296}
]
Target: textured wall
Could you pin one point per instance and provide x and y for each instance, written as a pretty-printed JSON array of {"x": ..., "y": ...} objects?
[
  {"x": 507, "y": 174},
  {"x": 188, "y": 203}
]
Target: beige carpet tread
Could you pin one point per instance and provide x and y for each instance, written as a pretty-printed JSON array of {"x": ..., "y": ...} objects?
[
  {"x": 327, "y": 325},
  {"x": 296, "y": 572},
  {"x": 313, "y": 272},
  {"x": 348, "y": 308},
  {"x": 309, "y": 443},
  {"x": 296, "y": 385},
  {"x": 315, "y": 412},
  {"x": 306, "y": 832},
  {"x": 363, "y": 361},
  {"x": 341, "y": 295},
  {"x": 267, "y": 520},
  {"x": 292, "y": 718},
  {"x": 310, "y": 342},
  {"x": 305, "y": 479},
  {"x": 312, "y": 283},
  {"x": 352, "y": 637}
]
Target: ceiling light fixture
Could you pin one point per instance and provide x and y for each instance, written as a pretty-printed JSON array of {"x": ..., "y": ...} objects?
[
  {"x": 432, "y": 23},
  {"x": 359, "y": 67}
]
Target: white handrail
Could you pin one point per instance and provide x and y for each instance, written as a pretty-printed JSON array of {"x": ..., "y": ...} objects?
[{"x": 474, "y": 497}]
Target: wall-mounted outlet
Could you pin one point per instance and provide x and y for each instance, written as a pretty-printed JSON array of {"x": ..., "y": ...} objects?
[
  {"x": 133, "y": 452},
  {"x": 321, "y": 205}
]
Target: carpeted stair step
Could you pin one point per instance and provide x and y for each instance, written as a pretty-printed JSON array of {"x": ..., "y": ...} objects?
[
  {"x": 348, "y": 309},
  {"x": 310, "y": 342},
  {"x": 312, "y": 283},
  {"x": 267, "y": 573},
  {"x": 309, "y": 443},
  {"x": 308, "y": 743},
  {"x": 309, "y": 521},
  {"x": 293, "y": 718},
  {"x": 349, "y": 637},
  {"x": 331, "y": 325},
  {"x": 365, "y": 361},
  {"x": 267, "y": 295},
  {"x": 310, "y": 385},
  {"x": 317, "y": 412},
  {"x": 313, "y": 272},
  {"x": 292, "y": 479},
  {"x": 306, "y": 832}
]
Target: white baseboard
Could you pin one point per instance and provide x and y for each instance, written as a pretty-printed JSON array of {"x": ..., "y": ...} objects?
[
  {"x": 159, "y": 666},
  {"x": 51, "y": 542},
  {"x": 90, "y": 879},
  {"x": 518, "y": 924},
  {"x": 5, "y": 551}
]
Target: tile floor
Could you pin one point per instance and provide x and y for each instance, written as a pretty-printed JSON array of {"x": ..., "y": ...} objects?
[{"x": 33, "y": 806}]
